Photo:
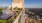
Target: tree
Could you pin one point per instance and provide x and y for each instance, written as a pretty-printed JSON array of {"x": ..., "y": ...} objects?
[{"x": 1, "y": 9}]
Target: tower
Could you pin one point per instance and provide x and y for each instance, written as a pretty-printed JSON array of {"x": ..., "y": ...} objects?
[{"x": 19, "y": 4}]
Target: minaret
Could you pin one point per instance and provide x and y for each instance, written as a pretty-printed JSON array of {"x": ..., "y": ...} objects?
[{"x": 18, "y": 3}]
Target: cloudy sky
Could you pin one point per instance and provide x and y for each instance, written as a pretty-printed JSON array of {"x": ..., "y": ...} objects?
[{"x": 27, "y": 3}]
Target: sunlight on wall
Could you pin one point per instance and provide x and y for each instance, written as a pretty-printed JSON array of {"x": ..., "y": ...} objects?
[{"x": 18, "y": 4}]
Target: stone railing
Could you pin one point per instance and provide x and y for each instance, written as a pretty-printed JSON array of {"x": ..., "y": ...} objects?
[{"x": 16, "y": 20}]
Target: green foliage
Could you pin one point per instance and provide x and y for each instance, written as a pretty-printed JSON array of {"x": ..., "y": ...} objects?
[
  {"x": 10, "y": 21},
  {"x": 19, "y": 9},
  {"x": 3, "y": 21},
  {"x": 15, "y": 8},
  {"x": 1, "y": 9}
]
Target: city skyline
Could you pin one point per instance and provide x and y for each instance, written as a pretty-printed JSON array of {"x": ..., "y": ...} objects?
[{"x": 27, "y": 3}]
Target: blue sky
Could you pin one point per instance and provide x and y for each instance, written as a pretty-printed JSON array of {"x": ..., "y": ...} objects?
[
  {"x": 5, "y": 2},
  {"x": 27, "y": 3},
  {"x": 33, "y": 3}
]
